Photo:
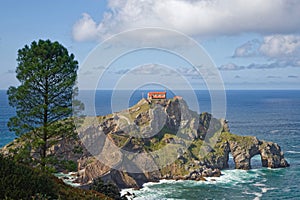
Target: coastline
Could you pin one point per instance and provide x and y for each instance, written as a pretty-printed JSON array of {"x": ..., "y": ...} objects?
[{"x": 230, "y": 179}]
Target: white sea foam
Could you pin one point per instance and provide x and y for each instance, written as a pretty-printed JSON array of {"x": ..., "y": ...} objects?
[
  {"x": 259, "y": 184},
  {"x": 257, "y": 195},
  {"x": 293, "y": 152},
  {"x": 274, "y": 131},
  {"x": 150, "y": 192},
  {"x": 262, "y": 187},
  {"x": 228, "y": 178},
  {"x": 145, "y": 193},
  {"x": 68, "y": 178},
  {"x": 264, "y": 190}
]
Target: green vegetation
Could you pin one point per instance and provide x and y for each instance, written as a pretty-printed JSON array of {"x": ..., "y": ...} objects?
[
  {"x": 245, "y": 141},
  {"x": 159, "y": 141},
  {"x": 18, "y": 181},
  {"x": 177, "y": 168},
  {"x": 43, "y": 100},
  {"x": 140, "y": 107},
  {"x": 69, "y": 165},
  {"x": 109, "y": 189},
  {"x": 78, "y": 149},
  {"x": 20, "y": 151},
  {"x": 195, "y": 148},
  {"x": 119, "y": 140}
]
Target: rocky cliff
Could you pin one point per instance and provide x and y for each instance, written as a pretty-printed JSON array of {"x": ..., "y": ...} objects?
[{"x": 162, "y": 139}]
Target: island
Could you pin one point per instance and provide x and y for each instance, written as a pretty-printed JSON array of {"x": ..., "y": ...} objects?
[{"x": 199, "y": 143}]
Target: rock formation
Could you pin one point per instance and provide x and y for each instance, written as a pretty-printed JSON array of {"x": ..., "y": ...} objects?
[{"x": 159, "y": 140}]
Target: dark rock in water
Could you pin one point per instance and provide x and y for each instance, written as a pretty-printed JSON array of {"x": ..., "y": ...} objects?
[
  {"x": 201, "y": 178},
  {"x": 65, "y": 171},
  {"x": 197, "y": 146},
  {"x": 77, "y": 181},
  {"x": 216, "y": 173}
]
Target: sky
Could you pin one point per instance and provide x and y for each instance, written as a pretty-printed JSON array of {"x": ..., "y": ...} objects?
[{"x": 254, "y": 44}]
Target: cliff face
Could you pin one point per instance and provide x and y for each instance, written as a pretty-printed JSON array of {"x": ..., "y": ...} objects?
[{"x": 157, "y": 140}]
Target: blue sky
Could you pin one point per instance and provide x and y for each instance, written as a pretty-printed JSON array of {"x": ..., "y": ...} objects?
[{"x": 255, "y": 44}]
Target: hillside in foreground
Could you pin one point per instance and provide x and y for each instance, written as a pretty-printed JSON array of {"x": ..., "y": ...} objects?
[{"x": 23, "y": 182}]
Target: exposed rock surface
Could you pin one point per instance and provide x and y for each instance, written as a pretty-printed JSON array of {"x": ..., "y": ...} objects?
[
  {"x": 244, "y": 148},
  {"x": 159, "y": 140}
]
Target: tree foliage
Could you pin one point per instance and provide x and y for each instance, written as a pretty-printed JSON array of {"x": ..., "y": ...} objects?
[
  {"x": 108, "y": 189},
  {"x": 47, "y": 74},
  {"x": 22, "y": 182}
]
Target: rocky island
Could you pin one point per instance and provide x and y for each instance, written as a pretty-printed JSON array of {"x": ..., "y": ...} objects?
[{"x": 154, "y": 140}]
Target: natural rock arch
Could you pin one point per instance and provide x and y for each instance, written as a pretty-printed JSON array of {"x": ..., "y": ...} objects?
[{"x": 242, "y": 151}]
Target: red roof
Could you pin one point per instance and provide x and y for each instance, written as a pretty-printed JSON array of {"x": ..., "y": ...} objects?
[
  {"x": 157, "y": 95},
  {"x": 150, "y": 93}
]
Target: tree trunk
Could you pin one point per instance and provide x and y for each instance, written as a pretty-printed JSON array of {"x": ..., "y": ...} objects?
[{"x": 45, "y": 125}]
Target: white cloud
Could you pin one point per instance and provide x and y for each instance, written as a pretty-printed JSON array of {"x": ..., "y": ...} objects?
[
  {"x": 281, "y": 50},
  {"x": 147, "y": 70},
  {"x": 281, "y": 46},
  {"x": 272, "y": 46},
  {"x": 193, "y": 17},
  {"x": 272, "y": 65},
  {"x": 85, "y": 28},
  {"x": 231, "y": 66},
  {"x": 163, "y": 70},
  {"x": 248, "y": 49}
]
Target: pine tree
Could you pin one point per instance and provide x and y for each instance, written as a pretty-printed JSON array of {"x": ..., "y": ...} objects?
[{"x": 43, "y": 100}]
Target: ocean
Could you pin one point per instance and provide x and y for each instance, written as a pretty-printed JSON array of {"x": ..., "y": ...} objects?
[{"x": 269, "y": 115}]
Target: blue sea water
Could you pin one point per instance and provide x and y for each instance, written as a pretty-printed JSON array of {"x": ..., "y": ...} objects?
[
  {"x": 5, "y": 113},
  {"x": 268, "y": 115}
]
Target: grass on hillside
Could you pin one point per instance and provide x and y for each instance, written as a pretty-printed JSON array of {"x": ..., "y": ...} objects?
[{"x": 18, "y": 181}]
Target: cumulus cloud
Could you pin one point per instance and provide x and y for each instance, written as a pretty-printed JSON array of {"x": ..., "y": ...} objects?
[
  {"x": 193, "y": 17},
  {"x": 248, "y": 49},
  {"x": 85, "y": 29},
  {"x": 272, "y": 46},
  {"x": 280, "y": 50},
  {"x": 280, "y": 46}
]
